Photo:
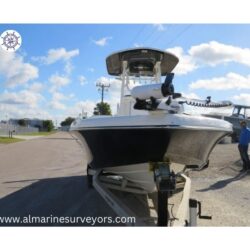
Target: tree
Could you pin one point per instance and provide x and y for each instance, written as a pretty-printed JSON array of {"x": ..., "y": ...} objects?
[
  {"x": 67, "y": 121},
  {"x": 22, "y": 122},
  {"x": 48, "y": 125},
  {"x": 102, "y": 108}
]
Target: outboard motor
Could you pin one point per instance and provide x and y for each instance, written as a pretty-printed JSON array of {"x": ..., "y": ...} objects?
[
  {"x": 156, "y": 90},
  {"x": 148, "y": 96},
  {"x": 167, "y": 87}
]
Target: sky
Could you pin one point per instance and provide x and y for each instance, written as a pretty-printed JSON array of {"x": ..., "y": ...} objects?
[{"x": 54, "y": 73}]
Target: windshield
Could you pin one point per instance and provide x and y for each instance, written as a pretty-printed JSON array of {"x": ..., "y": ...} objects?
[{"x": 241, "y": 112}]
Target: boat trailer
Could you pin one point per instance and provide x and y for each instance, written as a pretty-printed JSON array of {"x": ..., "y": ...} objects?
[{"x": 167, "y": 182}]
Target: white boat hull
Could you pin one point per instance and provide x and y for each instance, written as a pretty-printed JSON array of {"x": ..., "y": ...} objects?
[{"x": 125, "y": 145}]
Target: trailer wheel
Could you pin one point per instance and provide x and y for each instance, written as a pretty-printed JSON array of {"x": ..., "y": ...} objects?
[{"x": 89, "y": 178}]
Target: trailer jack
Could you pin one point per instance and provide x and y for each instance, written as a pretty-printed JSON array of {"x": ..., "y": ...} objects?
[{"x": 166, "y": 183}]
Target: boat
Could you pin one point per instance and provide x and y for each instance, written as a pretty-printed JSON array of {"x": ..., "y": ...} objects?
[
  {"x": 151, "y": 125},
  {"x": 238, "y": 114}
]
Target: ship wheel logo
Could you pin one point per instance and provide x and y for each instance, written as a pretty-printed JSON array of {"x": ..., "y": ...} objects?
[{"x": 10, "y": 40}]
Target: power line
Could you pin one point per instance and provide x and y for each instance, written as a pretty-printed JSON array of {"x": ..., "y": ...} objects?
[
  {"x": 179, "y": 34},
  {"x": 152, "y": 31},
  {"x": 161, "y": 34},
  {"x": 137, "y": 35},
  {"x": 151, "y": 34}
]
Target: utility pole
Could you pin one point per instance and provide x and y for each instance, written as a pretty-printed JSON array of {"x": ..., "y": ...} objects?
[{"x": 102, "y": 86}]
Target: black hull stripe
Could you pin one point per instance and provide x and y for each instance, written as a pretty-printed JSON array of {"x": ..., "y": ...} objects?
[{"x": 118, "y": 147}]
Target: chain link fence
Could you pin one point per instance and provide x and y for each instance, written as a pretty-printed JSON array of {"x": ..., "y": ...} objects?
[{"x": 5, "y": 129}]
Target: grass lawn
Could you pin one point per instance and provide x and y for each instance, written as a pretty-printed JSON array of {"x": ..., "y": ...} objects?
[
  {"x": 38, "y": 133},
  {"x": 6, "y": 140}
]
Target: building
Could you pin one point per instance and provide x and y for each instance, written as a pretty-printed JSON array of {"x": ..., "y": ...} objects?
[{"x": 35, "y": 123}]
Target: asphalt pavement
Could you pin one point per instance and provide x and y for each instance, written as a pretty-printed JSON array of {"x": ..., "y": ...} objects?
[{"x": 47, "y": 177}]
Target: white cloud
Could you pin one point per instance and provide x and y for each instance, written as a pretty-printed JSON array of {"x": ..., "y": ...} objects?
[
  {"x": 86, "y": 106},
  {"x": 15, "y": 71},
  {"x": 60, "y": 54},
  {"x": 214, "y": 53},
  {"x": 82, "y": 80},
  {"x": 209, "y": 54},
  {"x": 190, "y": 95},
  {"x": 24, "y": 97},
  {"x": 159, "y": 26},
  {"x": 59, "y": 96},
  {"x": 55, "y": 55},
  {"x": 243, "y": 99},
  {"x": 79, "y": 107},
  {"x": 36, "y": 87},
  {"x": 68, "y": 67},
  {"x": 230, "y": 81},
  {"x": 57, "y": 105},
  {"x": 104, "y": 80},
  {"x": 76, "y": 110},
  {"x": 14, "y": 111},
  {"x": 58, "y": 82},
  {"x": 91, "y": 70},
  {"x": 57, "y": 100},
  {"x": 138, "y": 45},
  {"x": 102, "y": 41},
  {"x": 186, "y": 63}
]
